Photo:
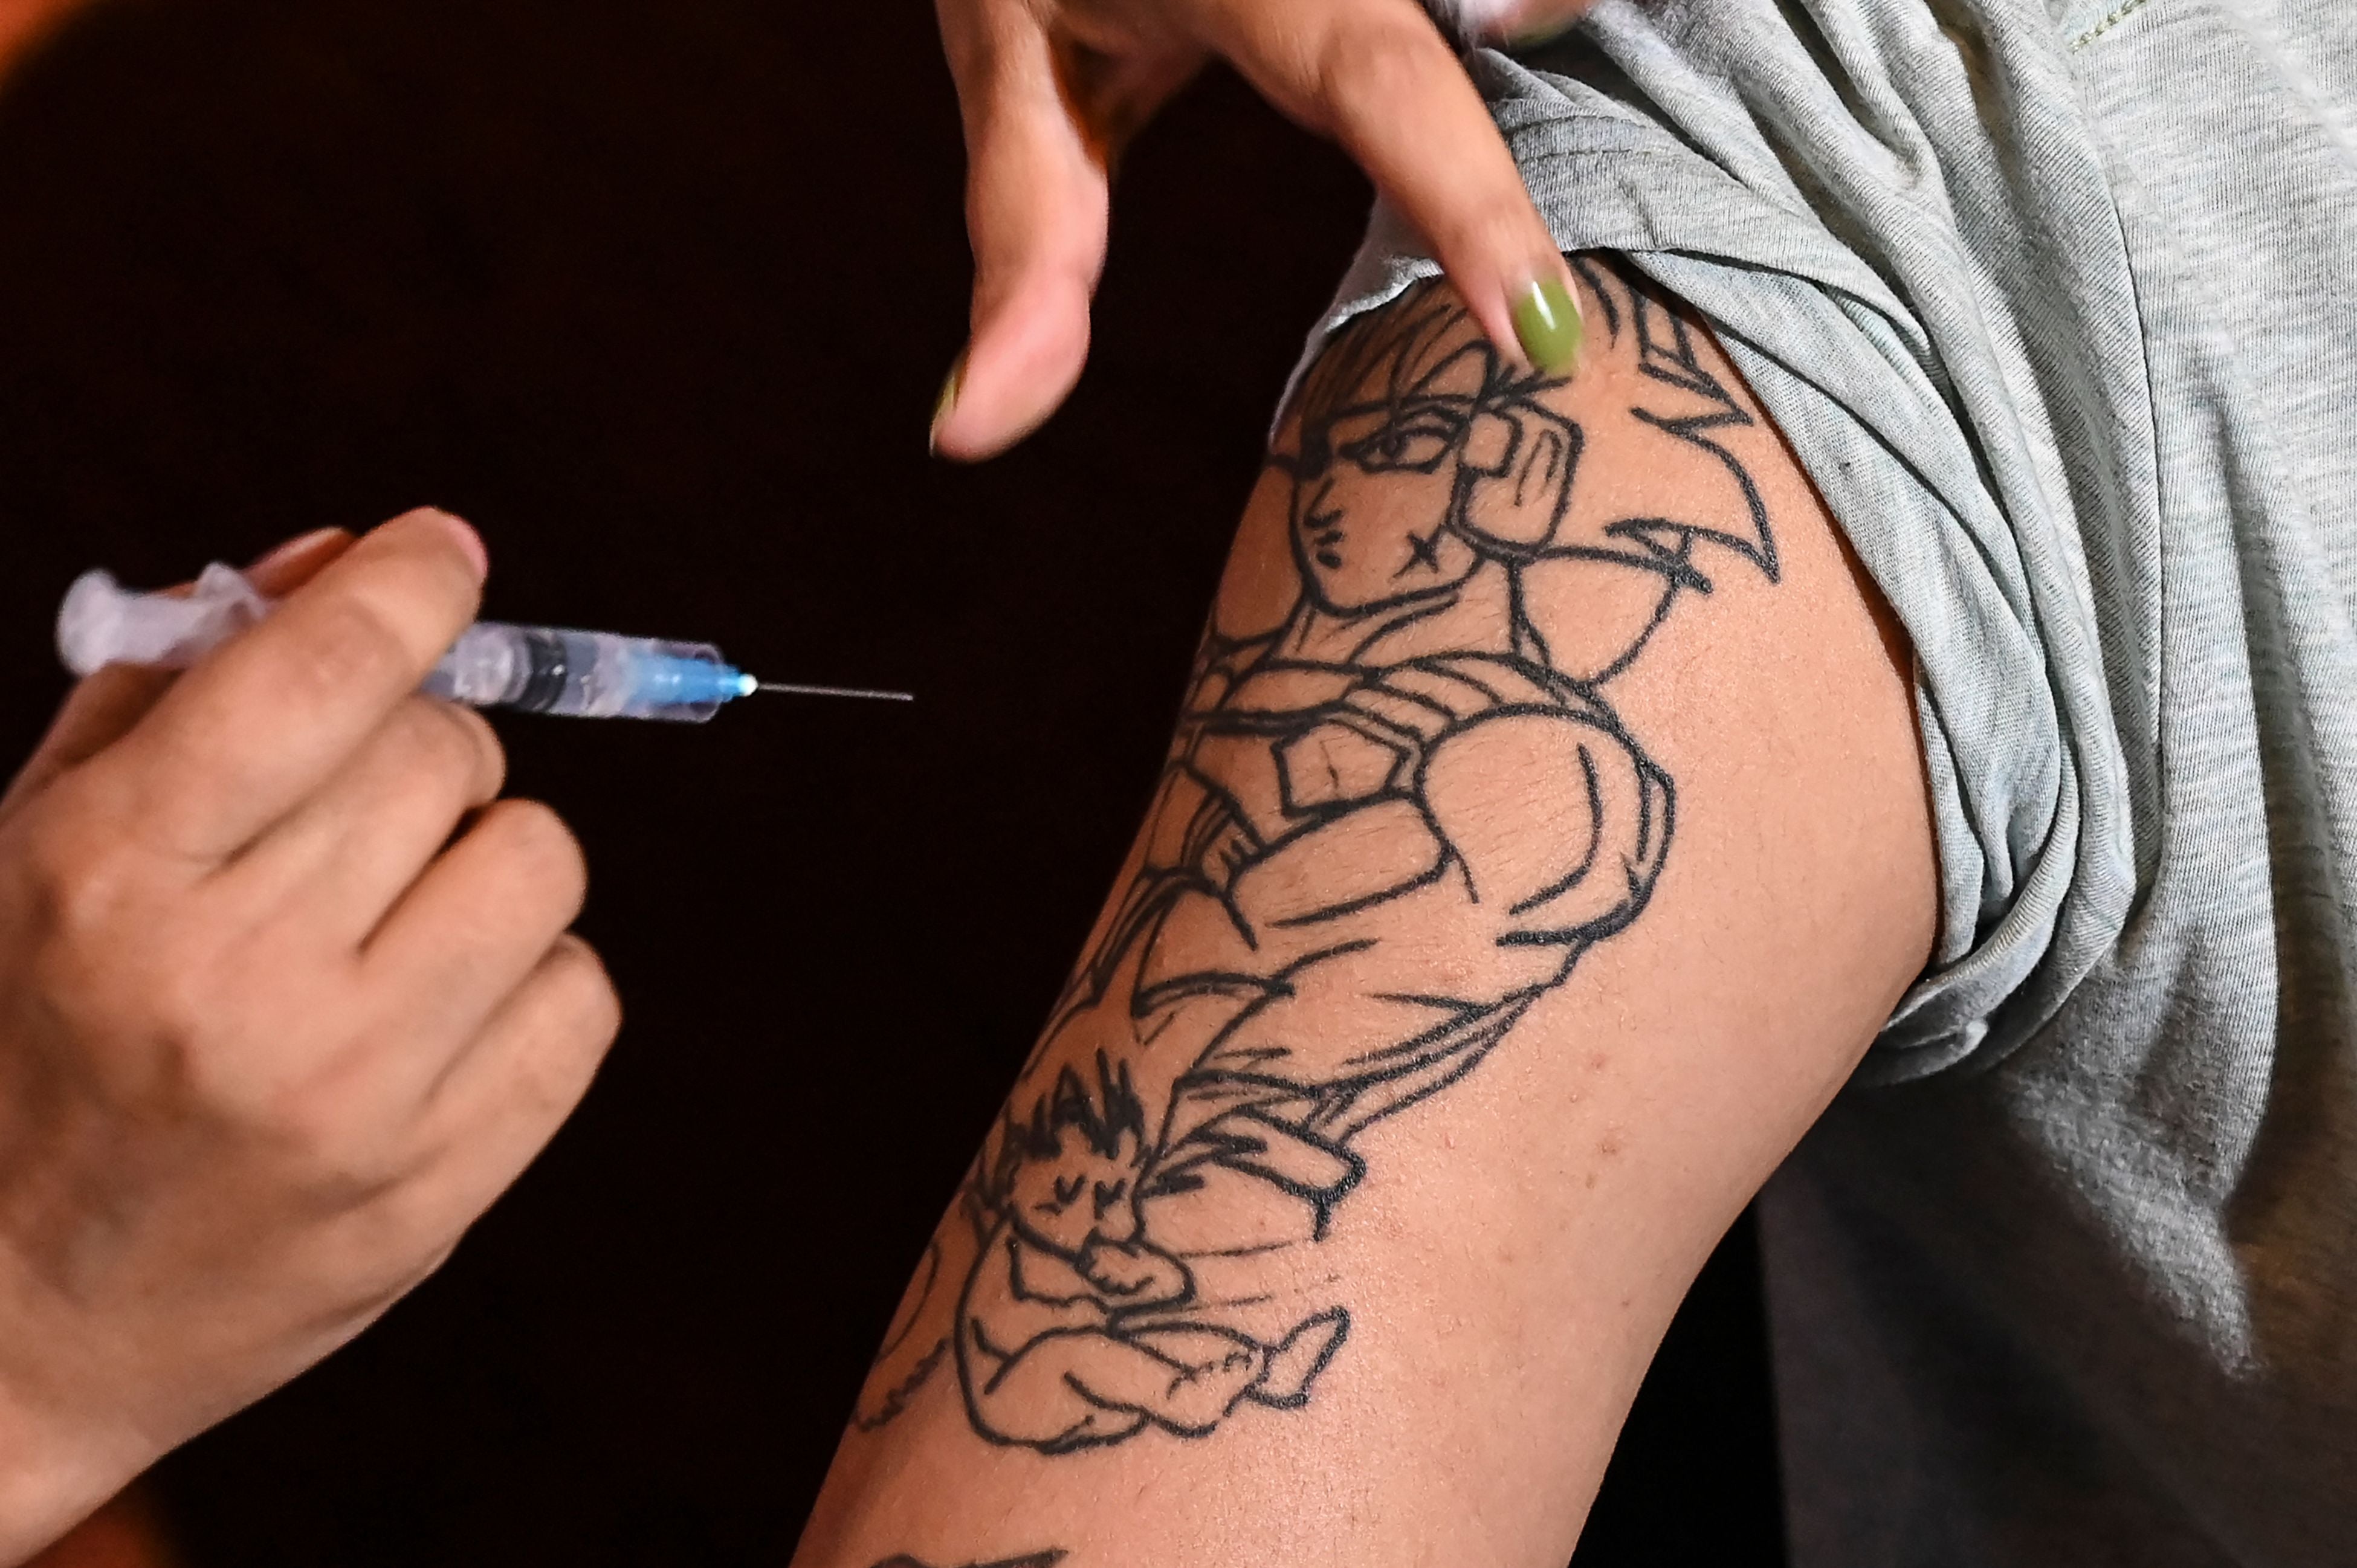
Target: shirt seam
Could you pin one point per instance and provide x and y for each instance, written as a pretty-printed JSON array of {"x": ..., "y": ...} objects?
[{"x": 2117, "y": 16}]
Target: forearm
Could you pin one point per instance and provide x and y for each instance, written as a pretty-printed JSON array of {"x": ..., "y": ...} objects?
[{"x": 1543, "y": 842}]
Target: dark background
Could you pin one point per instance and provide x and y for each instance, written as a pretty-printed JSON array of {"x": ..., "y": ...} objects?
[{"x": 659, "y": 294}]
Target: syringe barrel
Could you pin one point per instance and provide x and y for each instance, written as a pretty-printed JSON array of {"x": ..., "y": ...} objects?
[{"x": 584, "y": 674}]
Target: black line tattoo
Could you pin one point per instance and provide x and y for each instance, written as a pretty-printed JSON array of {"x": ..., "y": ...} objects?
[
  {"x": 1387, "y": 827},
  {"x": 1047, "y": 1559}
]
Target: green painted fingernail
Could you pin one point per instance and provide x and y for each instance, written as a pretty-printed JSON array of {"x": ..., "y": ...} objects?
[
  {"x": 1547, "y": 325},
  {"x": 944, "y": 404}
]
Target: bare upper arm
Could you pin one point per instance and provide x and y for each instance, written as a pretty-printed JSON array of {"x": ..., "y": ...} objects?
[{"x": 1541, "y": 844}]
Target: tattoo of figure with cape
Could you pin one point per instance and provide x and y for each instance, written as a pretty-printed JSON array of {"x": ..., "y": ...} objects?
[{"x": 1387, "y": 826}]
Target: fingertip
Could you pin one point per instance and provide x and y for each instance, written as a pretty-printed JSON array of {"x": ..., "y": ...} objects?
[
  {"x": 1548, "y": 327},
  {"x": 463, "y": 534},
  {"x": 1504, "y": 262},
  {"x": 1022, "y": 363},
  {"x": 1525, "y": 299},
  {"x": 945, "y": 404},
  {"x": 1400, "y": 102},
  {"x": 453, "y": 529}
]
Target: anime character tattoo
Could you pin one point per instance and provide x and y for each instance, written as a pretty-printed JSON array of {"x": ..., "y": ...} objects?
[{"x": 1390, "y": 822}]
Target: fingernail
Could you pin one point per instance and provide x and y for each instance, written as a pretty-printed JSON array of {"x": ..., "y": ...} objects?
[
  {"x": 463, "y": 534},
  {"x": 294, "y": 548},
  {"x": 1547, "y": 325},
  {"x": 945, "y": 404}
]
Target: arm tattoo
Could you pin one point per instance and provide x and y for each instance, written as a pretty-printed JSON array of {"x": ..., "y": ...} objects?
[
  {"x": 1047, "y": 1559},
  {"x": 1389, "y": 824}
]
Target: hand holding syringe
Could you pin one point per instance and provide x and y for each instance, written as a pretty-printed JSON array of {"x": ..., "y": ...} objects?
[
  {"x": 287, "y": 997},
  {"x": 537, "y": 669}
]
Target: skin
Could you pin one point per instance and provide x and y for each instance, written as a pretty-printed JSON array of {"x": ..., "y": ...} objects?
[
  {"x": 286, "y": 999},
  {"x": 1052, "y": 90},
  {"x": 1512, "y": 1244}
]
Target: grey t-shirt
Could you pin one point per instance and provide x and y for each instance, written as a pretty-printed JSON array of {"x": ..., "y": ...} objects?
[{"x": 2058, "y": 302}]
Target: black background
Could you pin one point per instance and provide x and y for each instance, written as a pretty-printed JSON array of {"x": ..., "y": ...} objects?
[{"x": 659, "y": 295}]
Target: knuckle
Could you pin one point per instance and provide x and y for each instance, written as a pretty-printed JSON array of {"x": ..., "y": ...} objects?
[
  {"x": 382, "y": 613},
  {"x": 180, "y": 1011},
  {"x": 1370, "y": 67},
  {"x": 94, "y": 910},
  {"x": 80, "y": 872},
  {"x": 182, "y": 992},
  {"x": 165, "y": 1040},
  {"x": 319, "y": 1112},
  {"x": 348, "y": 641}
]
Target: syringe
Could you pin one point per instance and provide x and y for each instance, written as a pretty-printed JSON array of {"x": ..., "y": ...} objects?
[{"x": 537, "y": 669}]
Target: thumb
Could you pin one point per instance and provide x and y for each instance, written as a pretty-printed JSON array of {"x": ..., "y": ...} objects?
[
  {"x": 1036, "y": 214},
  {"x": 1381, "y": 80}
]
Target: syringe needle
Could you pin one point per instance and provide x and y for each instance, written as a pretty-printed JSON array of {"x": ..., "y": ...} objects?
[{"x": 791, "y": 690}]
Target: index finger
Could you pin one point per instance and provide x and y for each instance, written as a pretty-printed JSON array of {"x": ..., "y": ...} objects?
[
  {"x": 1382, "y": 80},
  {"x": 257, "y": 725}
]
